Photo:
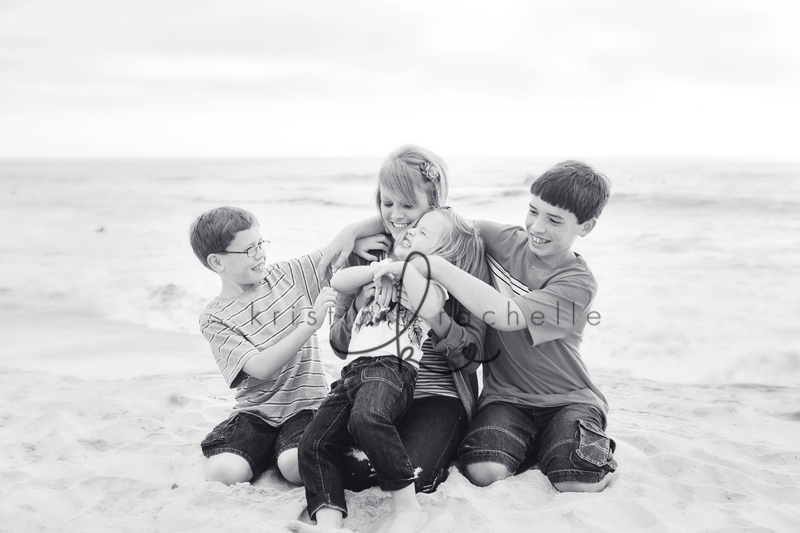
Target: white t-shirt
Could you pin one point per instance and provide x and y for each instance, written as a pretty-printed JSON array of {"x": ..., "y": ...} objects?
[{"x": 379, "y": 332}]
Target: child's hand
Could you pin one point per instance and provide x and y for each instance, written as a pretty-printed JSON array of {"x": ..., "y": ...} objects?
[
  {"x": 385, "y": 292},
  {"x": 373, "y": 242},
  {"x": 388, "y": 268},
  {"x": 337, "y": 251},
  {"x": 315, "y": 316},
  {"x": 364, "y": 294}
]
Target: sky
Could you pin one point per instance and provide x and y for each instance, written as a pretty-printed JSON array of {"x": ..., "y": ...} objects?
[{"x": 246, "y": 78}]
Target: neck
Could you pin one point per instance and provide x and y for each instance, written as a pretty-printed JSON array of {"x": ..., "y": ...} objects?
[{"x": 554, "y": 261}]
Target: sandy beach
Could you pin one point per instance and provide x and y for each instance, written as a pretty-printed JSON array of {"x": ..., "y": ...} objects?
[
  {"x": 121, "y": 122},
  {"x": 108, "y": 387},
  {"x": 98, "y": 442}
]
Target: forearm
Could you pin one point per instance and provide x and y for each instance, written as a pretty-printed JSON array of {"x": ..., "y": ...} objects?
[
  {"x": 270, "y": 361},
  {"x": 364, "y": 228},
  {"x": 480, "y": 298},
  {"x": 424, "y": 297},
  {"x": 350, "y": 280}
]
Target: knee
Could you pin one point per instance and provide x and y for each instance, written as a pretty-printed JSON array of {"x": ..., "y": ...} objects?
[
  {"x": 228, "y": 468},
  {"x": 576, "y": 486},
  {"x": 361, "y": 420},
  {"x": 484, "y": 474},
  {"x": 289, "y": 466}
]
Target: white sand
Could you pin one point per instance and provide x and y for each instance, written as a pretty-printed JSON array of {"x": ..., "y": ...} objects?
[{"x": 95, "y": 447}]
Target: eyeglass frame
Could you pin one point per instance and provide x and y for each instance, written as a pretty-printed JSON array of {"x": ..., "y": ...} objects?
[{"x": 258, "y": 246}]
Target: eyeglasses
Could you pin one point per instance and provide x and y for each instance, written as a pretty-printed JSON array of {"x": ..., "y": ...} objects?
[{"x": 252, "y": 251}]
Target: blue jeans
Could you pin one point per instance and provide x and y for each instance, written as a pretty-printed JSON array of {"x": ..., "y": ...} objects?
[
  {"x": 568, "y": 441},
  {"x": 372, "y": 394}
]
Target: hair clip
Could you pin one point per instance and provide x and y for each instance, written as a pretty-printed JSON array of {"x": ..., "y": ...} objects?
[{"x": 429, "y": 171}]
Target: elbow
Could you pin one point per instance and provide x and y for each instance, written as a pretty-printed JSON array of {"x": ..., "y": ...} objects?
[
  {"x": 341, "y": 287},
  {"x": 336, "y": 283}
]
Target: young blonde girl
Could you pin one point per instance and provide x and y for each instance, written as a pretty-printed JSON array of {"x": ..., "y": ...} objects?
[{"x": 377, "y": 388}]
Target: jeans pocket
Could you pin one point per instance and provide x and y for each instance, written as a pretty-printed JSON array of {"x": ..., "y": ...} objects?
[
  {"x": 593, "y": 446},
  {"x": 222, "y": 433},
  {"x": 380, "y": 371}
]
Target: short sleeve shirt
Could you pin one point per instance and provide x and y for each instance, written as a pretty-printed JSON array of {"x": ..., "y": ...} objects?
[
  {"x": 239, "y": 328},
  {"x": 394, "y": 332},
  {"x": 539, "y": 365}
]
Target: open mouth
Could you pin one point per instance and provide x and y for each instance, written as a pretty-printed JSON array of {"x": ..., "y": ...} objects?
[
  {"x": 399, "y": 226},
  {"x": 259, "y": 267},
  {"x": 537, "y": 240}
]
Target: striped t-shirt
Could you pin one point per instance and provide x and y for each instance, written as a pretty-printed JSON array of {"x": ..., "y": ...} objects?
[{"x": 239, "y": 328}]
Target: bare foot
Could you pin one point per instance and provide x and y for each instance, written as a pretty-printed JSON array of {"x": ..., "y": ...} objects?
[
  {"x": 407, "y": 511},
  {"x": 327, "y": 520}
]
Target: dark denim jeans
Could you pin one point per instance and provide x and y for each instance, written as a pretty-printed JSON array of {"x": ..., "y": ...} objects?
[
  {"x": 431, "y": 431},
  {"x": 568, "y": 442},
  {"x": 372, "y": 394},
  {"x": 250, "y": 437}
]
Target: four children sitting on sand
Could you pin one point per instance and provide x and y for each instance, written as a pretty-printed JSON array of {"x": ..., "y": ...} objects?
[{"x": 538, "y": 403}]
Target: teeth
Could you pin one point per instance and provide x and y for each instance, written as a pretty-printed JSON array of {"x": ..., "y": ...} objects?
[
  {"x": 396, "y": 225},
  {"x": 537, "y": 240}
]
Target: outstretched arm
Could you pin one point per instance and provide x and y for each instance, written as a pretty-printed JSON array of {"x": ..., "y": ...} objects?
[
  {"x": 480, "y": 298},
  {"x": 350, "y": 280},
  {"x": 337, "y": 252}
]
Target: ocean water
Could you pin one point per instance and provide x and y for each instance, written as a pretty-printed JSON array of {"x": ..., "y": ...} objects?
[{"x": 697, "y": 260}]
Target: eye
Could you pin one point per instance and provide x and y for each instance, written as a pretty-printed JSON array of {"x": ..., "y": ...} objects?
[
  {"x": 533, "y": 211},
  {"x": 408, "y": 207},
  {"x": 555, "y": 222}
]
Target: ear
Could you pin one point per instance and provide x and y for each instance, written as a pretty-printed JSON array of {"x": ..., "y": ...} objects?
[
  {"x": 215, "y": 262},
  {"x": 587, "y": 227}
]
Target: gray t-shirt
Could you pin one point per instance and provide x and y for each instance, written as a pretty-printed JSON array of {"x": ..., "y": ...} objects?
[{"x": 539, "y": 366}]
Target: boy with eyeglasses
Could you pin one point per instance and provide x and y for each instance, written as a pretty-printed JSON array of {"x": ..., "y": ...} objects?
[{"x": 262, "y": 331}]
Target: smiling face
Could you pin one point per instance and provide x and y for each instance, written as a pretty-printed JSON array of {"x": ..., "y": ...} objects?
[
  {"x": 397, "y": 214},
  {"x": 425, "y": 236},
  {"x": 240, "y": 273},
  {"x": 552, "y": 231}
]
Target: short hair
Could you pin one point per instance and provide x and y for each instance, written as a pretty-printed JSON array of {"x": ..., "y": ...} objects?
[
  {"x": 402, "y": 175},
  {"x": 574, "y": 186},
  {"x": 214, "y": 230},
  {"x": 464, "y": 246}
]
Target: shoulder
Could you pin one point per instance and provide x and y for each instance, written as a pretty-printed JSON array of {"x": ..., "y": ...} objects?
[
  {"x": 576, "y": 272},
  {"x": 229, "y": 309},
  {"x": 501, "y": 239}
]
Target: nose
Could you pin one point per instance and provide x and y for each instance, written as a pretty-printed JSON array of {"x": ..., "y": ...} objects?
[
  {"x": 538, "y": 225},
  {"x": 398, "y": 212}
]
